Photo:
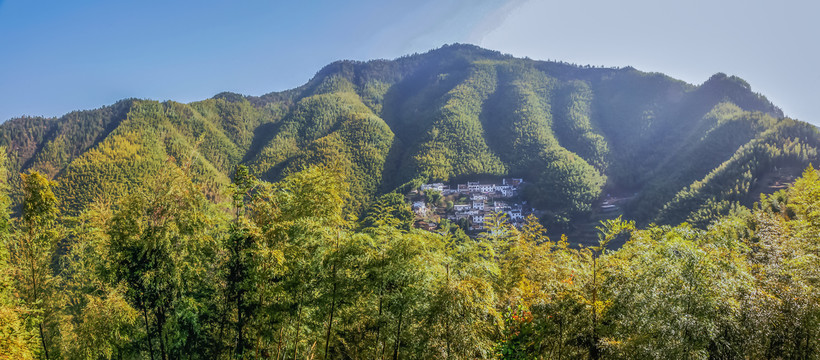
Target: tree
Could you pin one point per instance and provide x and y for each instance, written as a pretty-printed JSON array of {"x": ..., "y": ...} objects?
[
  {"x": 32, "y": 253},
  {"x": 96, "y": 319},
  {"x": 462, "y": 319},
  {"x": 673, "y": 293},
  {"x": 241, "y": 239},
  {"x": 609, "y": 230},
  {"x": 163, "y": 245},
  {"x": 433, "y": 197},
  {"x": 299, "y": 220},
  {"x": 16, "y": 340},
  {"x": 389, "y": 210}
]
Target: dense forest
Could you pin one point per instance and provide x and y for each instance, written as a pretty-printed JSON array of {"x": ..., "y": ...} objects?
[
  {"x": 282, "y": 271},
  {"x": 276, "y": 226},
  {"x": 680, "y": 152}
]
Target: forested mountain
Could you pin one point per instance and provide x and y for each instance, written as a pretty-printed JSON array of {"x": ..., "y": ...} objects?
[
  {"x": 276, "y": 227},
  {"x": 574, "y": 132}
]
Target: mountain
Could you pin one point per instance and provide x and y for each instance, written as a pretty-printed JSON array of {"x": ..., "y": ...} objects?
[{"x": 681, "y": 152}]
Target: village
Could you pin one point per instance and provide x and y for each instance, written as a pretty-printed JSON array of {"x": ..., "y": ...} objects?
[{"x": 469, "y": 204}]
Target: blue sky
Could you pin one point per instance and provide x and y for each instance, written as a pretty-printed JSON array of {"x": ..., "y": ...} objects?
[{"x": 58, "y": 56}]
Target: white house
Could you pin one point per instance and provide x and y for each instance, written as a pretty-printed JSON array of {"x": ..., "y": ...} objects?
[
  {"x": 461, "y": 207},
  {"x": 435, "y": 186},
  {"x": 516, "y": 215},
  {"x": 515, "y": 182},
  {"x": 478, "y": 219},
  {"x": 505, "y": 190},
  {"x": 478, "y": 205},
  {"x": 419, "y": 207}
]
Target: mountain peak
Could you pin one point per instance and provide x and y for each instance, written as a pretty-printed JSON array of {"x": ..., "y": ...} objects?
[{"x": 738, "y": 91}]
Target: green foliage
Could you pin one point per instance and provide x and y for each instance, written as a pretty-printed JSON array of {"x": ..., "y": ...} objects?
[
  {"x": 695, "y": 296},
  {"x": 455, "y": 144},
  {"x": 389, "y": 210},
  {"x": 567, "y": 186},
  {"x": 162, "y": 246},
  {"x": 277, "y": 269},
  {"x": 789, "y": 143},
  {"x": 32, "y": 250},
  {"x": 16, "y": 339},
  {"x": 146, "y": 250},
  {"x": 574, "y": 125},
  {"x": 40, "y": 204},
  {"x": 455, "y": 112},
  {"x": 96, "y": 318}
]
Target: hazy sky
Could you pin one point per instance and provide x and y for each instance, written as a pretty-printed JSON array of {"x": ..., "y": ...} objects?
[{"x": 58, "y": 56}]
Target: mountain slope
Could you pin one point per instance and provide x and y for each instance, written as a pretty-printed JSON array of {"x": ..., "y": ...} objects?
[{"x": 688, "y": 152}]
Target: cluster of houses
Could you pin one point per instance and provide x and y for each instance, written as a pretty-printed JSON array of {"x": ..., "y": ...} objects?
[
  {"x": 508, "y": 188},
  {"x": 474, "y": 201}
]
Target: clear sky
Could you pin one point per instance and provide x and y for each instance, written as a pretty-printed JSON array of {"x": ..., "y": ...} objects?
[{"x": 58, "y": 56}]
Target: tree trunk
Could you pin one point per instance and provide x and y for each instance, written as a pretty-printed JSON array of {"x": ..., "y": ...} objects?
[
  {"x": 219, "y": 344},
  {"x": 593, "y": 350},
  {"x": 447, "y": 317},
  {"x": 560, "y": 338},
  {"x": 379, "y": 319},
  {"x": 278, "y": 346},
  {"x": 240, "y": 326},
  {"x": 378, "y": 329},
  {"x": 43, "y": 340},
  {"x": 160, "y": 325},
  {"x": 147, "y": 331},
  {"x": 261, "y": 290},
  {"x": 398, "y": 336},
  {"x": 298, "y": 326},
  {"x": 332, "y": 301},
  {"x": 35, "y": 291},
  {"x": 332, "y": 307},
  {"x": 242, "y": 345}
]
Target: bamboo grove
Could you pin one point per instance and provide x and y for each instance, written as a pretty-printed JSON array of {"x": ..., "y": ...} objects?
[{"x": 282, "y": 271}]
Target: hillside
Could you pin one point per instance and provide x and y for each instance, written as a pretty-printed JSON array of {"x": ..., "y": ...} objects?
[
  {"x": 681, "y": 152},
  {"x": 244, "y": 227}
]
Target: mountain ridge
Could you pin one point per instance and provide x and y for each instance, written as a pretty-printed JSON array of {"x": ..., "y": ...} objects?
[{"x": 453, "y": 112}]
